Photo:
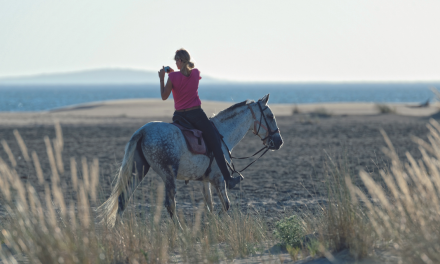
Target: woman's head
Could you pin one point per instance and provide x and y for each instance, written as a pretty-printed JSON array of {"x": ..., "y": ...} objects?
[{"x": 183, "y": 61}]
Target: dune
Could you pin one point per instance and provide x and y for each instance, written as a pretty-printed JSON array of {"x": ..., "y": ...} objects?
[{"x": 125, "y": 110}]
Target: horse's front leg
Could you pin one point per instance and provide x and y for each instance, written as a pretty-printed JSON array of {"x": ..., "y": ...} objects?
[
  {"x": 220, "y": 185},
  {"x": 208, "y": 195}
]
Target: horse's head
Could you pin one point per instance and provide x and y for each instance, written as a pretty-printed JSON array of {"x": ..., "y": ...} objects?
[{"x": 265, "y": 125}]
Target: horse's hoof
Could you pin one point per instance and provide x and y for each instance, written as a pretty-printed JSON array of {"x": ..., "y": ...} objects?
[{"x": 234, "y": 181}]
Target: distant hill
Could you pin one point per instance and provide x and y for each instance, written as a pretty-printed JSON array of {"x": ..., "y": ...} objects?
[{"x": 97, "y": 76}]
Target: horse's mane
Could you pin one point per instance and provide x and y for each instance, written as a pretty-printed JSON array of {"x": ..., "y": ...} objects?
[{"x": 232, "y": 107}]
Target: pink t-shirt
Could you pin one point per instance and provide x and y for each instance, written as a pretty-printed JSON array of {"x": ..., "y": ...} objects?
[{"x": 185, "y": 89}]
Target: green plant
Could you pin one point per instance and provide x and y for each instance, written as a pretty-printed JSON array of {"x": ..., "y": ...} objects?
[
  {"x": 293, "y": 252},
  {"x": 290, "y": 231},
  {"x": 313, "y": 247}
]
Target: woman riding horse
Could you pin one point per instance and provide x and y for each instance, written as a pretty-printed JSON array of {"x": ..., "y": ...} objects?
[
  {"x": 162, "y": 146},
  {"x": 184, "y": 85}
]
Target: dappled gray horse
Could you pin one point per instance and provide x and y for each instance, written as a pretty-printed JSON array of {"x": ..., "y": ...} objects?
[{"x": 162, "y": 147}]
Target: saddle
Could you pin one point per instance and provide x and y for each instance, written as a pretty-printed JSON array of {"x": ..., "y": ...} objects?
[
  {"x": 193, "y": 136},
  {"x": 194, "y": 140}
]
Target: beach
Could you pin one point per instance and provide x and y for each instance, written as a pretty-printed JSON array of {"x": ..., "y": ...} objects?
[
  {"x": 318, "y": 139},
  {"x": 283, "y": 181},
  {"x": 135, "y": 110}
]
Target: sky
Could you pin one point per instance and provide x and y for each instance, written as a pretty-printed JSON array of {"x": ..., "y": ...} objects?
[{"x": 245, "y": 40}]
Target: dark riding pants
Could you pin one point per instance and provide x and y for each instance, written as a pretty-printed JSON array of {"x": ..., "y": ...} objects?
[{"x": 200, "y": 121}]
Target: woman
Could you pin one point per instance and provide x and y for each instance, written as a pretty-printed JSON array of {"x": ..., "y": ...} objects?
[{"x": 184, "y": 85}]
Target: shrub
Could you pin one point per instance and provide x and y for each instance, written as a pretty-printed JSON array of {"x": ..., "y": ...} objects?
[
  {"x": 290, "y": 231},
  {"x": 385, "y": 109},
  {"x": 321, "y": 112}
]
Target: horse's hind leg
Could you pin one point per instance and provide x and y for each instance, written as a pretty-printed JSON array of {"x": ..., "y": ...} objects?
[
  {"x": 170, "y": 197},
  {"x": 208, "y": 195},
  {"x": 169, "y": 177},
  {"x": 140, "y": 169}
]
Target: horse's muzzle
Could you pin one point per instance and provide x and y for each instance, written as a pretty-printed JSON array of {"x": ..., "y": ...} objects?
[{"x": 274, "y": 142}]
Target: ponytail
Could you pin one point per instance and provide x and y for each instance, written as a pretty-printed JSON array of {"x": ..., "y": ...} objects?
[{"x": 187, "y": 65}]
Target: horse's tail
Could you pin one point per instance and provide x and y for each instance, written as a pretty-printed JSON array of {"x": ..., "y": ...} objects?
[{"x": 108, "y": 210}]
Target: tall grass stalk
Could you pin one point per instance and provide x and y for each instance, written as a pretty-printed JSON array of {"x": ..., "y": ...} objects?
[
  {"x": 51, "y": 227},
  {"x": 346, "y": 225},
  {"x": 341, "y": 222},
  {"x": 406, "y": 211}
]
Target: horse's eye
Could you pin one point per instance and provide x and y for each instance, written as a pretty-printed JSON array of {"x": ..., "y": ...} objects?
[{"x": 270, "y": 116}]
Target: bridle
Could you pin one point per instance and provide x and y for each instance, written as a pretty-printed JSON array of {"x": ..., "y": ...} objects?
[{"x": 268, "y": 134}]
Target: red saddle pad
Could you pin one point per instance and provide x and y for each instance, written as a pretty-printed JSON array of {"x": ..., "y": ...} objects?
[{"x": 194, "y": 139}]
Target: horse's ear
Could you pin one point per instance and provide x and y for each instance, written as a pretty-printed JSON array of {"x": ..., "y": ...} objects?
[{"x": 265, "y": 99}]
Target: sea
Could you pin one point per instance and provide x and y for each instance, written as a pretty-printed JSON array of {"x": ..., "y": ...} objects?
[{"x": 14, "y": 98}]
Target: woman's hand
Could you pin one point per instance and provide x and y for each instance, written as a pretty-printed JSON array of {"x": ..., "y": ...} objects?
[
  {"x": 171, "y": 70},
  {"x": 161, "y": 73}
]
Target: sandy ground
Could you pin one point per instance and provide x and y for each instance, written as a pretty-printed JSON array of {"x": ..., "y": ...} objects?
[
  {"x": 123, "y": 111},
  {"x": 282, "y": 182}
]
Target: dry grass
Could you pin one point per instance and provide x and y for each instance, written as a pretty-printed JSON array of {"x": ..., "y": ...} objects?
[
  {"x": 47, "y": 228},
  {"x": 401, "y": 213},
  {"x": 436, "y": 93},
  {"x": 405, "y": 213},
  {"x": 346, "y": 225},
  {"x": 341, "y": 224}
]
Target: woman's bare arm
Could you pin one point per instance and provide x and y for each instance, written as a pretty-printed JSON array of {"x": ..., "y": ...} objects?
[{"x": 165, "y": 90}]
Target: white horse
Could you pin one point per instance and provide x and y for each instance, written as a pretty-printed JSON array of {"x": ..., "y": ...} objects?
[{"x": 162, "y": 147}]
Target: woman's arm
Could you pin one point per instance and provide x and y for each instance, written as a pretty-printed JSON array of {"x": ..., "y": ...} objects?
[{"x": 165, "y": 90}]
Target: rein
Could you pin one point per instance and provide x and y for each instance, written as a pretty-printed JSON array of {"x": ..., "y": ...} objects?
[
  {"x": 268, "y": 134},
  {"x": 232, "y": 167}
]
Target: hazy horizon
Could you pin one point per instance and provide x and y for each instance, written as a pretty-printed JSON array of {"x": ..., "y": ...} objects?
[{"x": 137, "y": 76}]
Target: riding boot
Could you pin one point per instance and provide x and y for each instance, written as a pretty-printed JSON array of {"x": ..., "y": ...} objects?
[{"x": 232, "y": 182}]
